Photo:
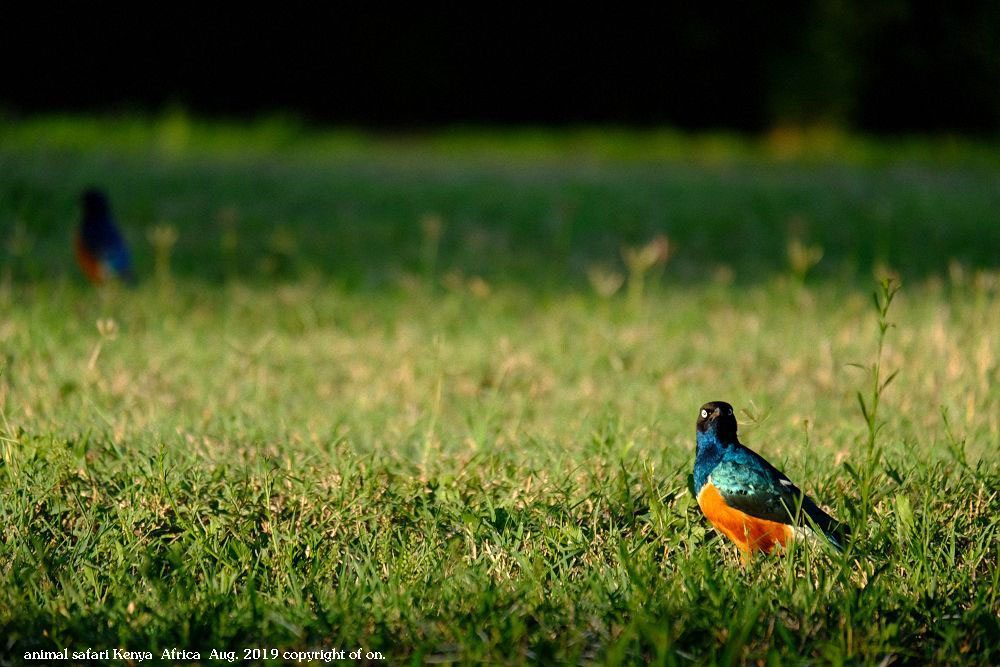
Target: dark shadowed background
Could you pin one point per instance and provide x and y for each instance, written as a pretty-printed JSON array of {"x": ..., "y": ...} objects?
[{"x": 889, "y": 67}]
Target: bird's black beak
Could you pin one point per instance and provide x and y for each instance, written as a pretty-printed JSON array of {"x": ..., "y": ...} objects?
[{"x": 715, "y": 413}]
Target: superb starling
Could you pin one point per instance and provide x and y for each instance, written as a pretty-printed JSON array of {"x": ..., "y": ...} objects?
[
  {"x": 745, "y": 497},
  {"x": 100, "y": 247}
]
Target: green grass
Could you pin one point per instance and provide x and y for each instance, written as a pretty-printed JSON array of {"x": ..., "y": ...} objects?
[{"x": 320, "y": 422}]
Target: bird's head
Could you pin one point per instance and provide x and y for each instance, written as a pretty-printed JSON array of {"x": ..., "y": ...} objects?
[
  {"x": 95, "y": 203},
  {"x": 717, "y": 417}
]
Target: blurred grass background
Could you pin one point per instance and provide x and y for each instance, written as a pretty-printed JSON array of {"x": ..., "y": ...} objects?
[
  {"x": 434, "y": 394},
  {"x": 277, "y": 200}
]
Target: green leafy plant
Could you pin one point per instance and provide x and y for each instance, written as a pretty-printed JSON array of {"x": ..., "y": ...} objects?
[{"x": 877, "y": 382}]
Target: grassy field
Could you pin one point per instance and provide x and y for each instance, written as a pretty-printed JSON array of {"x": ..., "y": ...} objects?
[{"x": 406, "y": 394}]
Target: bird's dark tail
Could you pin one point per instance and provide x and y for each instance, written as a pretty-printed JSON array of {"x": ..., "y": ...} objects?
[{"x": 836, "y": 533}]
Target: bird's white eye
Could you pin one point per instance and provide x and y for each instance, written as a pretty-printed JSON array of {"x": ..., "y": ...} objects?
[
  {"x": 704, "y": 414},
  {"x": 730, "y": 411}
]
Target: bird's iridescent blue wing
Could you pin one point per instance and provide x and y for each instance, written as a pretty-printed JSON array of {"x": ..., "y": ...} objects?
[
  {"x": 120, "y": 260},
  {"x": 747, "y": 482},
  {"x": 756, "y": 490}
]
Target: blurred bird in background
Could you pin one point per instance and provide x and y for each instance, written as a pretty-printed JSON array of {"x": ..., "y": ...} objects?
[{"x": 100, "y": 247}]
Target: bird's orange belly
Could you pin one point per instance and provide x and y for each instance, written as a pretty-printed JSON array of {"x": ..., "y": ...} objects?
[
  {"x": 748, "y": 533},
  {"x": 88, "y": 263}
]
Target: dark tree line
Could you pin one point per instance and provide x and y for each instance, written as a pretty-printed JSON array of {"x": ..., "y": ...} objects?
[{"x": 903, "y": 65}]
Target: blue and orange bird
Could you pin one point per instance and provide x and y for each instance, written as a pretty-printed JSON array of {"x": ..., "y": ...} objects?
[
  {"x": 746, "y": 498},
  {"x": 100, "y": 247}
]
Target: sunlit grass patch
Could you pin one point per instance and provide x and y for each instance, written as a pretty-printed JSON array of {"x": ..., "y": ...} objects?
[{"x": 445, "y": 410}]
